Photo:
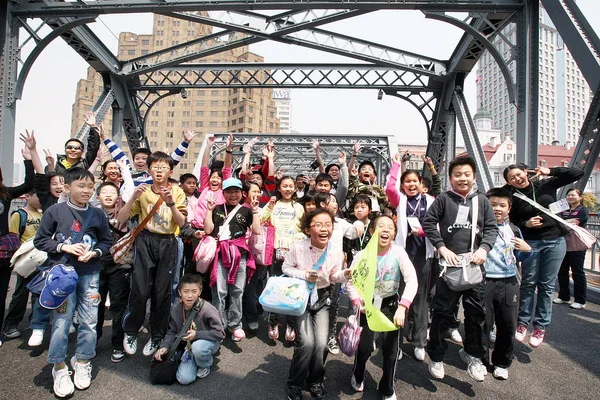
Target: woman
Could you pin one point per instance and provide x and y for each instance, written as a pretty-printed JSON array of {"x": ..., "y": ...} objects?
[
  {"x": 393, "y": 268},
  {"x": 313, "y": 326},
  {"x": 118, "y": 173},
  {"x": 411, "y": 207},
  {"x": 545, "y": 236},
  {"x": 576, "y": 214},
  {"x": 284, "y": 213}
]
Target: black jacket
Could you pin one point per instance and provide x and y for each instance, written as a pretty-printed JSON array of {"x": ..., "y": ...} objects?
[
  {"x": 13, "y": 193},
  {"x": 91, "y": 150}
]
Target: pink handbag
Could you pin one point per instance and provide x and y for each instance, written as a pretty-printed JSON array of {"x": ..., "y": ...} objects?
[
  {"x": 262, "y": 245},
  {"x": 349, "y": 336},
  {"x": 205, "y": 254}
]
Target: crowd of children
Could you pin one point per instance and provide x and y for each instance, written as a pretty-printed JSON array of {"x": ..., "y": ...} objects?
[{"x": 193, "y": 253}]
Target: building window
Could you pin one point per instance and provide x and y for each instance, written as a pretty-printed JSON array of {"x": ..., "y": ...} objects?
[
  {"x": 145, "y": 42},
  {"x": 213, "y": 124},
  {"x": 214, "y": 92},
  {"x": 199, "y": 124},
  {"x": 214, "y": 103},
  {"x": 199, "y": 113}
]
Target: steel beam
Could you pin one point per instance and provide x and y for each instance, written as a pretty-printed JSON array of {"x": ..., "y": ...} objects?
[
  {"x": 9, "y": 40},
  {"x": 338, "y": 76},
  {"x": 157, "y": 6}
]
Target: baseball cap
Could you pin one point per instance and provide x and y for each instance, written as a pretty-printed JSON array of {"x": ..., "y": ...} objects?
[
  {"x": 232, "y": 183},
  {"x": 60, "y": 282}
]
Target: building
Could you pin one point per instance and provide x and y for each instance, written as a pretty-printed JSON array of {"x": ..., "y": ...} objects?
[
  {"x": 283, "y": 102},
  {"x": 217, "y": 110},
  {"x": 564, "y": 95}
]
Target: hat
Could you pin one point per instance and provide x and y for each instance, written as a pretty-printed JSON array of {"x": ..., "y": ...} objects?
[
  {"x": 60, "y": 282},
  {"x": 367, "y": 162},
  {"x": 232, "y": 183}
]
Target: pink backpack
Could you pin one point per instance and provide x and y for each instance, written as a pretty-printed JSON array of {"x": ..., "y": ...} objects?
[{"x": 263, "y": 245}]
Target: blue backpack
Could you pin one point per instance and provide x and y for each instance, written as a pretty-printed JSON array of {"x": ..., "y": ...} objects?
[{"x": 22, "y": 220}]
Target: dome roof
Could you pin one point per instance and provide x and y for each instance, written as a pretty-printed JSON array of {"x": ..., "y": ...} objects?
[{"x": 482, "y": 113}]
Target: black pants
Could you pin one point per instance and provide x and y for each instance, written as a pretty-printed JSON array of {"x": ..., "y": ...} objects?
[
  {"x": 18, "y": 303},
  {"x": 251, "y": 307},
  {"x": 574, "y": 261},
  {"x": 5, "y": 272},
  {"x": 418, "y": 316},
  {"x": 444, "y": 304},
  {"x": 117, "y": 282},
  {"x": 152, "y": 278},
  {"x": 392, "y": 343},
  {"x": 334, "y": 309},
  {"x": 501, "y": 307}
]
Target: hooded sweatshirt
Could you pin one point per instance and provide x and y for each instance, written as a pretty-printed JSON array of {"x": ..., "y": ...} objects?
[
  {"x": 207, "y": 321},
  {"x": 454, "y": 235},
  {"x": 502, "y": 261}
]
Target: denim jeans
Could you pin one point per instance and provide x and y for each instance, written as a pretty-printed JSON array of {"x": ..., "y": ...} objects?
[
  {"x": 85, "y": 300},
  {"x": 202, "y": 357},
  {"x": 40, "y": 316},
  {"x": 232, "y": 294},
  {"x": 540, "y": 271}
]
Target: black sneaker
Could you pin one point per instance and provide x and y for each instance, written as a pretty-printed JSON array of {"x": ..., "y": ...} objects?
[
  {"x": 317, "y": 391},
  {"x": 294, "y": 393},
  {"x": 117, "y": 356},
  {"x": 332, "y": 346},
  {"x": 12, "y": 333}
]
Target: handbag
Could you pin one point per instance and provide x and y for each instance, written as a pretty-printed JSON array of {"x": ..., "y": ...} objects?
[
  {"x": 165, "y": 372},
  {"x": 465, "y": 275},
  {"x": 262, "y": 245},
  {"x": 26, "y": 260},
  {"x": 290, "y": 296},
  {"x": 349, "y": 336},
  {"x": 578, "y": 238},
  {"x": 207, "y": 248},
  {"x": 122, "y": 249},
  {"x": 9, "y": 244}
]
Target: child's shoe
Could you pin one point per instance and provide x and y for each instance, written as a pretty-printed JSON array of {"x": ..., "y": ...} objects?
[
  {"x": 63, "y": 385},
  {"x": 83, "y": 373}
]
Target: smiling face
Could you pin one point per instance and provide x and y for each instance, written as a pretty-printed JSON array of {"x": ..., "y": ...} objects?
[
  {"x": 501, "y": 207},
  {"x": 139, "y": 160},
  {"x": 310, "y": 206},
  {"x": 411, "y": 184},
  {"x": 215, "y": 181},
  {"x": 462, "y": 179},
  {"x": 108, "y": 196},
  {"x": 189, "y": 186},
  {"x": 573, "y": 198},
  {"x": 334, "y": 172},
  {"x": 112, "y": 172},
  {"x": 189, "y": 293},
  {"x": 57, "y": 184},
  {"x": 160, "y": 171},
  {"x": 320, "y": 230},
  {"x": 387, "y": 232},
  {"x": 80, "y": 191},
  {"x": 366, "y": 173},
  {"x": 73, "y": 150},
  {"x": 332, "y": 206},
  {"x": 233, "y": 196},
  {"x": 253, "y": 193},
  {"x": 287, "y": 188},
  {"x": 517, "y": 178}
]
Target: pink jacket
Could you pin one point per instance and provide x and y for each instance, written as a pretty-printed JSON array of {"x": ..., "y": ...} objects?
[{"x": 197, "y": 220}]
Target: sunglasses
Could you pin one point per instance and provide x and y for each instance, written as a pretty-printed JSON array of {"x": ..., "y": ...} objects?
[{"x": 71, "y": 147}]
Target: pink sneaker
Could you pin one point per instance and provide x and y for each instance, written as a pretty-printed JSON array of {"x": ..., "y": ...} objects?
[
  {"x": 521, "y": 333},
  {"x": 537, "y": 337},
  {"x": 237, "y": 334}
]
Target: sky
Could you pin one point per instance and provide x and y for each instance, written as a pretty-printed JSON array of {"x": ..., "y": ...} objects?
[{"x": 49, "y": 91}]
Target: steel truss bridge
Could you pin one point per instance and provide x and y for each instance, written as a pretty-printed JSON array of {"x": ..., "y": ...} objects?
[{"x": 432, "y": 86}]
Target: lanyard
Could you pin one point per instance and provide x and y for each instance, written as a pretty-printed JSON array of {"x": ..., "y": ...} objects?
[
  {"x": 414, "y": 210},
  {"x": 532, "y": 189},
  {"x": 364, "y": 235}
]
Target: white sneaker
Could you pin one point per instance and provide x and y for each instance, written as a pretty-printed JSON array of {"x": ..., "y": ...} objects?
[
  {"x": 36, "y": 338},
  {"x": 521, "y": 333},
  {"x": 130, "y": 344},
  {"x": 475, "y": 367},
  {"x": 500, "y": 373},
  {"x": 400, "y": 354},
  {"x": 63, "y": 385},
  {"x": 150, "y": 347},
  {"x": 492, "y": 337},
  {"x": 83, "y": 373},
  {"x": 436, "y": 369},
  {"x": 202, "y": 372},
  {"x": 454, "y": 335},
  {"x": 420, "y": 353},
  {"x": 558, "y": 300},
  {"x": 392, "y": 397},
  {"x": 358, "y": 387},
  {"x": 577, "y": 306}
]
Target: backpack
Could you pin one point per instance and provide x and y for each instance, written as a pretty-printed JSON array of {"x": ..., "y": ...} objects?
[{"x": 22, "y": 220}]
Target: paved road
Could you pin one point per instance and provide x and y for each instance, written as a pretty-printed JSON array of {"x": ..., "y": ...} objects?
[{"x": 566, "y": 366}]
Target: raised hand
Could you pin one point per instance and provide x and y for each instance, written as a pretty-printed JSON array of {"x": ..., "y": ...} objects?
[
  {"x": 28, "y": 139},
  {"x": 255, "y": 204},
  {"x": 316, "y": 145},
  {"x": 397, "y": 158},
  {"x": 121, "y": 163},
  {"x": 90, "y": 119},
  {"x": 357, "y": 147},
  {"x": 139, "y": 190},
  {"x": 229, "y": 142},
  {"x": 342, "y": 158},
  {"x": 539, "y": 171},
  {"x": 102, "y": 154},
  {"x": 26, "y": 153},
  {"x": 270, "y": 145},
  {"x": 189, "y": 135},
  {"x": 354, "y": 170},
  {"x": 210, "y": 141},
  {"x": 49, "y": 157},
  {"x": 101, "y": 132},
  {"x": 265, "y": 151},
  {"x": 426, "y": 160}
]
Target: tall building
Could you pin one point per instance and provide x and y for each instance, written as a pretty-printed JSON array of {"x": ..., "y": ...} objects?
[
  {"x": 217, "y": 110},
  {"x": 564, "y": 95},
  {"x": 283, "y": 102}
]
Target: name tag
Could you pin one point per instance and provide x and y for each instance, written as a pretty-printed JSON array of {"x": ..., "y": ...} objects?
[
  {"x": 414, "y": 223},
  {"x": 559, "y": 206},
  {"x": 377, "y": 300},
  {"x": 375, "y": 204},
  {"x": 462, "y": 216}
]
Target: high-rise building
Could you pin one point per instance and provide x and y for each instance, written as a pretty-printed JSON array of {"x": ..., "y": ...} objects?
[
  {"x": 215, "y": 110},
  {"x": 283, "y": 102},
  {"x": 564, "y": 95}
]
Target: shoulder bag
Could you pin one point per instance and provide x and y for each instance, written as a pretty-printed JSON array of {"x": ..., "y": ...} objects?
[{"x": 207, "y": 248}]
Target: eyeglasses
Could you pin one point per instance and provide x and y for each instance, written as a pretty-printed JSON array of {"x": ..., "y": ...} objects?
[
  {"x": 71, "y": 147},
  {"x": 158, "y": 168},
  {"x": 320, "y": 225}
]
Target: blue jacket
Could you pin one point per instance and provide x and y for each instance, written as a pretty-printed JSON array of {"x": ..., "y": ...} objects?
[{"x": 502, "y": 260}]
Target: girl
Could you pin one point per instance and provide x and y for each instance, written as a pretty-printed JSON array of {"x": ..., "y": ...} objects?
[
  {"x": 411, "y": 207},
  {"x": 545, "y": 236},
  {"x": 313, "y": 326},
  {"x": 284, "y": 213},
  {"x": 393, "y": 267},
  {"x": 574, "y": 260}
]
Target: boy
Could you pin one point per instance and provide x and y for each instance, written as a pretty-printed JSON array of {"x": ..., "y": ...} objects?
[
  {"x": 74, "y": 149},
  {"x": 60, "y": 223},
  {"x": 114, "y": 278},
  {"x": 452, "y": 210},
  {"x": 234, "y": 263},
  {"x": 502, "y": 284},
  {"x": 156, "y": 253},
  {"x": 24, "y": 223},
  {"x": 365, "y": 183},
  {"x": 204, "y": 336}
]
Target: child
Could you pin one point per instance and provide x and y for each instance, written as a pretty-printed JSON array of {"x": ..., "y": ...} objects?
[
  {"x": 204, "y": 336},
  {"x": 362, "y": 211},
  {"x": 452, "y": 212},
  {"x": 59, "y": 225},
  {"x": 74, "y": 149},
  {"x": 502, "y": 284},
  {"x": 365, "y": 183},
  {"x": 308, "y": 202},
  {"x": 394, "y": 271},
  {"x": 23, "y": 223},
  {"x": 156, "y": 253},
  {"x": 234, "y": 263}
]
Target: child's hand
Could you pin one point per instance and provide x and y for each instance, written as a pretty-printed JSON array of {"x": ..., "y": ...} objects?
[
  {"x": 49, "y": 157},
  {"x": 399, "y": 316},
  {"x": 188, "y": 135},
  {"x": 521, "y": 245},
  {"x": 211, "y": 204},
  {"x": 272, "y": 202},
  {"x": 199, "y": 234},
  {"x": 397, "y": 158},
  {"x": 166, "y": 194},
  {"x": 311, "y": 276},
  {"x": 87, "y": 256},
  {"x": 255, "y": 203},
  {"x": 139, "y": 190},
  {"x": 191, "y": 334},
  {"x": 77, "y": 249},
  {"x": 160, "y": 352},
  {"x": 479, "y": 256},
  {"x": 342, "y": 158},
  {"x": 210, "y": 141},
  {"x": 359, "y": 227}
]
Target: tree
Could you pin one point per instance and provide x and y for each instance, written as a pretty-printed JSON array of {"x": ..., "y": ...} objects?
[{"x": 590, "y": 202}]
